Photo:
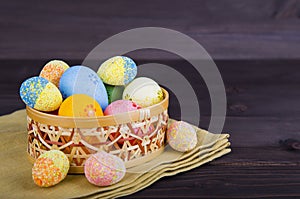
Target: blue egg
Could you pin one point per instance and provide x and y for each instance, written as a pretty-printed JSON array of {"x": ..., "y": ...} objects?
[{"x": 83, "y": 80}]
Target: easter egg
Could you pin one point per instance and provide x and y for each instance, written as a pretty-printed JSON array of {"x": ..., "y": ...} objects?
[
  {"x": 53, "y": 71},
  {"x": 118, "y": 70},
  {"x": 50, "y": 168},
  {"x": 40, "y": 94},
  {"x": 83, "y": 80},
  {"x": 80, "y": 105},
  {"x": 103, "y": 169},
  {"x": 143, "y": 91},
  {"x": 181, "y": 136},
  {"x": 120, "y": 106},
  {"x": 114, "y": 92}
]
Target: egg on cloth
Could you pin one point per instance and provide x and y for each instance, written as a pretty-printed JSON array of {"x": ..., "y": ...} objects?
[
  {"x": 181, "y": 136},
  {"x": 40, "y": 94},
  {"x": 80, "y": 105},
  {"x": 143, "y": 91},
  {"x": 121, "y": 106},
  {"x": 114, "y": 92},
  {"x": 53, "y": 71},
  {"x": 103, "y": 169},
  {"x": 83, "y": 80},
  {"x": 118, "y": 70},
  {"x": 50, "y": 168}
]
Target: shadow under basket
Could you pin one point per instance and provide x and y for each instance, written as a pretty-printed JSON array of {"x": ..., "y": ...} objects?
[{"x": 136, "y": 136}]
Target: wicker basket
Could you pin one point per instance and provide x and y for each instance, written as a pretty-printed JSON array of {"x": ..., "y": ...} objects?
[{"x": 136, "y": 136}]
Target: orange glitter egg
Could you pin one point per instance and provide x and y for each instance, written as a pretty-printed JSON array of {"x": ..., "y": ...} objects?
[
  {"x": 53, "y": 70},
  {"x": 80, "y": 105},
  {"x": 50, "y": 168}
]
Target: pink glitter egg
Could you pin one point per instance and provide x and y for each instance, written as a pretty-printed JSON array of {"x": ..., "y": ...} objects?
[
  {"x": 181, "y": 136},
  {"x": 103, "y": 169},
  {"x": 120, "y": 106}
]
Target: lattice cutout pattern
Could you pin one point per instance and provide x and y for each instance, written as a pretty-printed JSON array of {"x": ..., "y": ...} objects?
[{"x": 128, "y": 141}]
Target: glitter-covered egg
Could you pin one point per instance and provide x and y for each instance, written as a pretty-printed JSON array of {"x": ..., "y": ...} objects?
[
  {"x": 118, "y": 70},
  {"x": 121, "y": 106},
  {"x": 50, "y": 168},
  {"x": 114, "y": 92},
  {"x": 40, "y": 94},
  {"x": 103, "y": 169},
  {"x": 80, "y": 105},
  {"x": 83, "y": 80},
  {"x": 53, "y": 71},
  {"x": 143, "y": 91},
  {"x": 181, "y": 136}
]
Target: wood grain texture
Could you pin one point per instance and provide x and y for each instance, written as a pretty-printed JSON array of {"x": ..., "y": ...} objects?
[
  {"x": 229, "y": 29},
  {"x": 212, "y": 181}
]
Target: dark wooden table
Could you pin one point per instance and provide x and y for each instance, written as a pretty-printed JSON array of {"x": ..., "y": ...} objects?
[{"x": 255, "y": 44}]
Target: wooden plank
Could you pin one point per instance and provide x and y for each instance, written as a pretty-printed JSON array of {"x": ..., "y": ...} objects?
[
  {"x": 228, "y": 182},
  {"x": 258, "y": 131},
  {"x": 259, "y": 156},
  {"x": 227, "y": 29},
  {"x": 260, "y": 172}
]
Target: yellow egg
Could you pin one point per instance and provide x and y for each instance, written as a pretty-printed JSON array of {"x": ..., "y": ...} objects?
[
  {"x": 117, "y": 71},
  {"x": 80, "y": 105}
]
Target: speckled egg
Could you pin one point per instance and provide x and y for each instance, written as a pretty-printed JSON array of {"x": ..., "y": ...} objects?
[
  {"x": 118, "y": 70},
  {"x": 143, "y": 91},
  {"x": 50, "y": 168},
  {"x": 181, "y": 136},
  {"x": 53, "y": 71},
  {"x": 83, "y": 80},
  {"x": 103, "y": 169},
  {"x": 114, "y": 92},
  {"x": 40, "y": 94},
  {"x": 121, "y": 106},
  {"x": 80, "y": 105}
]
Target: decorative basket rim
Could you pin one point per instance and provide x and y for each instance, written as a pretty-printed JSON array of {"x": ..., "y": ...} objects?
[{"x": 92, "y": 122}]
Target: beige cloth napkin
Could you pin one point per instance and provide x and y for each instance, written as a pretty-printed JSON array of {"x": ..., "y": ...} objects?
[{"x": 15, "y": 169}]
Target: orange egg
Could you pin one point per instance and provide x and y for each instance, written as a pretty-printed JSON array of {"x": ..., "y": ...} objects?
[{"x": 80, "y": 105}]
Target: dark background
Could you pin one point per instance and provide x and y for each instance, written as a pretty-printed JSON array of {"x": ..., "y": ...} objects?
[{"x": 255, "y": 44}]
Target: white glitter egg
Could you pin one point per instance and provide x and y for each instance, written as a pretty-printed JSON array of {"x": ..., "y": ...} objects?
[
  {"x": 143, "y": 91},
  {"x": 181, "y": 136}
]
